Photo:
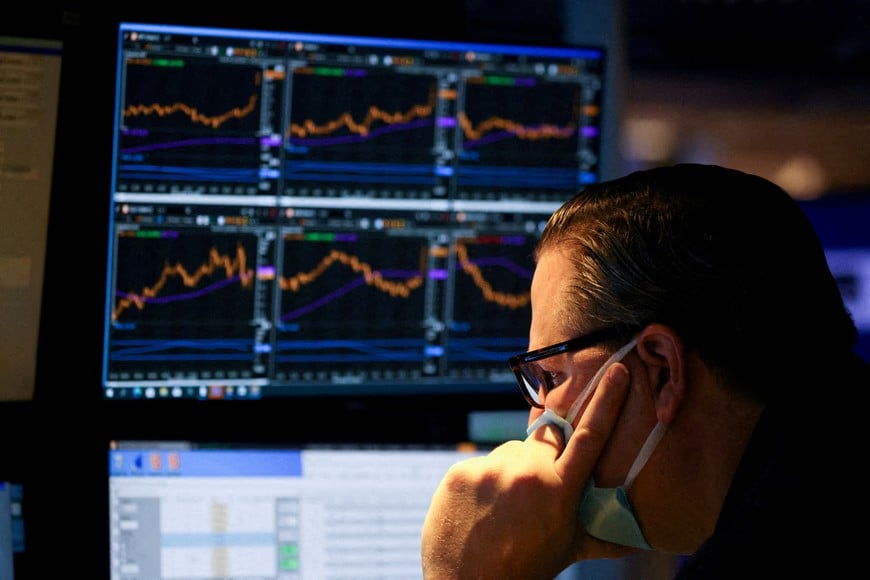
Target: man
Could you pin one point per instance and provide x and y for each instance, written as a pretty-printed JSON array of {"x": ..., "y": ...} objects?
[{"x": 693, "y": 389}]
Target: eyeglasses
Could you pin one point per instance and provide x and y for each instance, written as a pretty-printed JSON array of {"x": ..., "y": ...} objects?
[{"x": 534, "y": 381}]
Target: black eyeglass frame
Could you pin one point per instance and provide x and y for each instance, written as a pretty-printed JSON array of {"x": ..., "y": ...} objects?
[{"x": 520, "y": 362}]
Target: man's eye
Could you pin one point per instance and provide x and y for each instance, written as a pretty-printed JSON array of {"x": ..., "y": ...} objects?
[{"x": 554, "y": 378}]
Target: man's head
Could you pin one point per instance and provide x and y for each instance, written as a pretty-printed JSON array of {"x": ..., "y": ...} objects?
[{"x": 726, "y": 259}]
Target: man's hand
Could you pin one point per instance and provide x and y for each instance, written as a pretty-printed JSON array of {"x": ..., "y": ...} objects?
[{"x": 514, "y": 512}]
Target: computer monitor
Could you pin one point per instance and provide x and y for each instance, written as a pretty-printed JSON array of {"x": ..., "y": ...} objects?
[
  {"x": 296, "y": 214},
  {"x": 289, "y": 512},
  {"x": 841, "y": 220},
  {"x": 11, "y": 531}
]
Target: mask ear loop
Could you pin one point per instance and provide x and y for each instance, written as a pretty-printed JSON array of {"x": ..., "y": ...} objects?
[
  {"x": 644, "y": 454},
  {"x": 593, "y": 383},
  {"x": 655, "y": 435},
  {"x": 549, "y": 416}
]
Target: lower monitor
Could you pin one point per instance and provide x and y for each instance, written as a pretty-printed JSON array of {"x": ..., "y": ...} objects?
[{"x": 192, "y": 510}]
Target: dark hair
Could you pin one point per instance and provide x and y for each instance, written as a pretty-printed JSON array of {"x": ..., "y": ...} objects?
[{"x": 727, "y": 259}]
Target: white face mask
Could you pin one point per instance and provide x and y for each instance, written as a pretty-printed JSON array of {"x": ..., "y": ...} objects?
[{"x": 606, "y": 512}]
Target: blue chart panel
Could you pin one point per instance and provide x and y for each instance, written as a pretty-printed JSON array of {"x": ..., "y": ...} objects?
[
  {"x": 190, "y": 126},
  {"x": 352, "y": 300},
  {"x": 526, "y": 134},
  {"x": 184, "y": 302},
  {"x": 360, "y": 127},
  {"x": 492, "y": 308}
]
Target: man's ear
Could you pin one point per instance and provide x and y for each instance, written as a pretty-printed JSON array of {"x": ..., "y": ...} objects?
[{"x": 661, "y": 349}]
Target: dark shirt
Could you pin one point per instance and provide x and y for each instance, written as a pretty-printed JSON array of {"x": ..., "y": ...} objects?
[{"x": 797, "y": 504}]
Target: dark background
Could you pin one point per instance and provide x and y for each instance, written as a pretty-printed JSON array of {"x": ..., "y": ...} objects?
[{"x": 712, "y": 60}]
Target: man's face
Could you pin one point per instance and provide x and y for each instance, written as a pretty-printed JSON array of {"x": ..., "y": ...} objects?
[{"x": 572, "y": 371}]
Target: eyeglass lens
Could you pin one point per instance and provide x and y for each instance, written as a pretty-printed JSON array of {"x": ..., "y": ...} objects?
[{"x": 534, "y": 381}]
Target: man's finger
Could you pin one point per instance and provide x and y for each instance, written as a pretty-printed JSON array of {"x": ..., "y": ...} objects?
[
  {"x": 551, "y": 435},
  {"x": 596, "y": 424}
]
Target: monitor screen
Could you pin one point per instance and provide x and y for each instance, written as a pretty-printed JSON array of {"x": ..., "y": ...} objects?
[
  {"x": 841, "y": 220},
  {"x": 11, "y": 527},
  {"x": 312, "y": 214},
  {"x": 187, "y": 510}
]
